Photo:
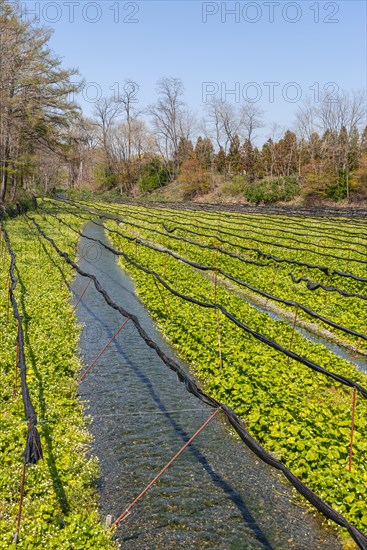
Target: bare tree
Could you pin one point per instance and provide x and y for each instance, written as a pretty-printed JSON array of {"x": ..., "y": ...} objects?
[
  {"x": 106, "y": 113},
  {"x": 170, "y": 119},
  {"x": 223, "y": 121},
  {"x": 83, "y": 142},
  {"x": 129, "y": 143},
  {"x": 251, "y": 119},
  {"x": 227, "y": 121},
  {"x": 128, "y": 100}
]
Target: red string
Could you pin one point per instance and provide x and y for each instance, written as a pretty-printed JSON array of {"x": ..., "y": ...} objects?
[{"x": 102, "y": 351}]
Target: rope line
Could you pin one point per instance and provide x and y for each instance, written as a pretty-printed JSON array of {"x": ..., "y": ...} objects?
[
  {"x": 102, "y": 351},
  {"x": 191, "y": 386},
  {"x": 323, "y": 269},
  {"x": 33, "y": 450},
  {"x": 81, "y": 296},
  {"x": 127, "y": 512},
  {"x": 311, "y": 285},
  {"x": 240, "y": 218},
  {"x": 271, "y": 343},
  {"x": 271, "y": 243},
  {"x": 240, "y": 282}
]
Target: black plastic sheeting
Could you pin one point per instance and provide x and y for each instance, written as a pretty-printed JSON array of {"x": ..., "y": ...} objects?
[
  {"x": 311, "y": 285},
  {"x": 205, "y": 226},
  {"x": 191, "y": 386},
  {"x": 217, "y": 230},
  {"x": 326, "y": 214},
  {"x": 271, "y": 343},
  {"x": 324, "y": 269},
  {"x": 278, "y": 217},
  {"x": 218, "y": 270},
  {"x": 33, "y": 450}
]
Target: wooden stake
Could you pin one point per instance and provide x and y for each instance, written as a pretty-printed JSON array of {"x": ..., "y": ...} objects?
[
  {"x": 217, "y": 311},
  {"x": 162, "y": 298},
  {"x": 16, "y": 536},
  {"x": 326, "y": 292},
  {"x": 219, "y": 340},
  {"x": 215, "y": 275}
]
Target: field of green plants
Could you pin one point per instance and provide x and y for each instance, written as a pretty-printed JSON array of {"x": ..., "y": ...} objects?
[
  {"x": 229, "y": 292},
  {"x": 60, "y": 506}
]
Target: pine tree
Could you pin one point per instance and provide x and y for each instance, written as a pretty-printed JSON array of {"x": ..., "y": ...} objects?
[
  {"x": 234, "y": 160},
  {"x": 35, "y": 110},
  {"x": 363, "y": 144},
  {"x": 287, "y": 153},
  {"x": 185, "y": 151},
  {"x": 248, "y": 159},
  {"x": 204, "y": 152},
  {"x": 354, "y": 150},
  {"x": 220, "y": 161}
]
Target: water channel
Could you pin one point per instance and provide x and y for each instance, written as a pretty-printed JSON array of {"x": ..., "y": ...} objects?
[{"x": 217, "y": 495}]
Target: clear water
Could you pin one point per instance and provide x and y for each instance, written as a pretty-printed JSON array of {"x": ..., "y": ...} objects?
[
  {"x": 357, "y": 359},
  {"x": 217, "y": 495}
]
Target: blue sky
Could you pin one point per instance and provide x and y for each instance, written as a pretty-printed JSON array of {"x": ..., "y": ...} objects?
[{"x": 292, "y": 48}]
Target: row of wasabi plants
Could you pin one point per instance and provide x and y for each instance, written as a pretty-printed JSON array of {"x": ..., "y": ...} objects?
[
  {"x": 317, "y": 254},
  {"x": 60, "y": 509},
  {"x": 301, "y": 416}
]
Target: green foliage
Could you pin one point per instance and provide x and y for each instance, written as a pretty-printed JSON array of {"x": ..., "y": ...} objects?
[
  {"x": 35, "y": 105},
  {"x": 273, "y": 190},
  {"x": 337, "y": 190},
  {"x": 302, "y": 417},
  {"x": 204, "y": 152},
  {"x": 192, "y": 190},
  {"x": 105, "y": 178},
  {"x": 236, "y": 187},
  {"x": 220, "y": 161},
  {"x": 149, "y": 183},
  {"x": 59, "y": 509},
  {"x": 234, "y": 157},
  {"x": 154, "y": 175}
]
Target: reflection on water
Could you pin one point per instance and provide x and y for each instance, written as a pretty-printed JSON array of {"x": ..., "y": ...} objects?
[{"x": 217, "y": 495}]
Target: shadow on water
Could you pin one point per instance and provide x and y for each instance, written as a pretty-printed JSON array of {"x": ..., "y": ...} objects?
[
  {"x": 181, "y": 433},
  {"x": 142, "y": 415}
]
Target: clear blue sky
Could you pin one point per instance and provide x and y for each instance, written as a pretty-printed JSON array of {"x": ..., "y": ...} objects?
[{"x": 307, "y": 43}]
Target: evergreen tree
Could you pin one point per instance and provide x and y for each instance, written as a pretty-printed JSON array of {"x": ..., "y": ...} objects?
[
  {"x": 234, "y": 160},
  {"x": 363, "y": 145},
  {"x": 220, "y": 161},
  {"x": 287, "y": 154},
  {"x": 35, "y": 111},
  {"x": 185, "y": 151},
  {"x": 204, "y": 152},
  {"x": 248, "y": 159},
  {"x": 354, "y": 150}
]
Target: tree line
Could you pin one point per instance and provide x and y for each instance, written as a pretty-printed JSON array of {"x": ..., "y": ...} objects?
[
  {"x": 35, "y": 111},
  {"x": 46, "y": 142}
]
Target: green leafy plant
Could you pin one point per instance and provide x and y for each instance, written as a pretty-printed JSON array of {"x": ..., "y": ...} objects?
[{"x": 60, "y": 507}]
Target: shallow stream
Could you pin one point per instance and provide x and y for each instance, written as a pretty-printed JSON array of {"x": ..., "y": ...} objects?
[{"x": 217, "y": 495}]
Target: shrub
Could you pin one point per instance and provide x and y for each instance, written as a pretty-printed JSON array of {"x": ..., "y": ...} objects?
[
  {"x": 235, "y": 187},
  {"x": 154, "y": 175},
  {"x": 274, "y": 190},
  {"x": 192, "y": 190}
]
